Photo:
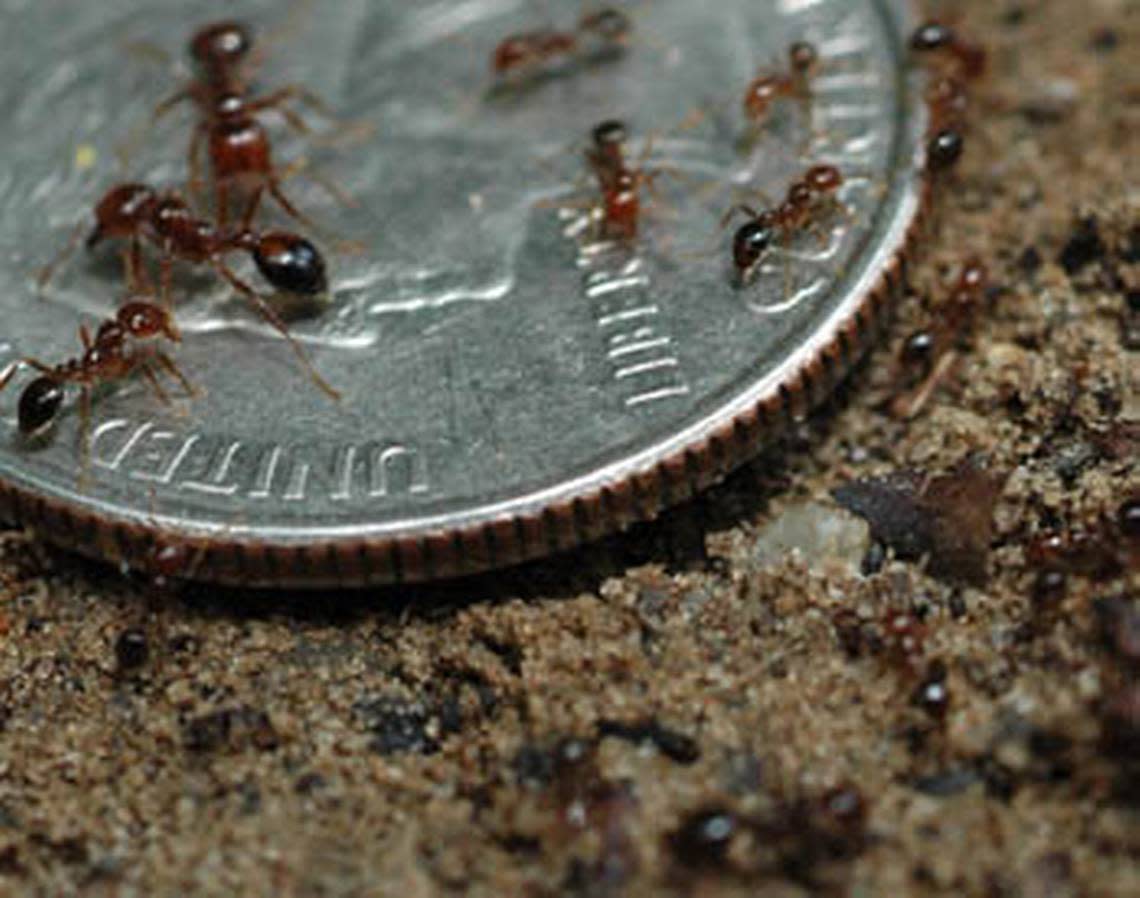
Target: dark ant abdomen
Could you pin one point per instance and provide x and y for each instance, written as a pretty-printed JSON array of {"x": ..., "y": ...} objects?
[
  {"x": 39, "y": 404},
  {"x": 291, "y": 264}
]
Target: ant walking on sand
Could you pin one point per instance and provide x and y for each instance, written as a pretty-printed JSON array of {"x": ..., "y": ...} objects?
[
  {"x": 136, "y": 212},
  {"x": 956, "y": 62},
  {"x": 114, "y": 353},
  {"x": 806, "y": 202},
  {"x": 523, "y": 56},
  {"x": 929, "y": 356}
]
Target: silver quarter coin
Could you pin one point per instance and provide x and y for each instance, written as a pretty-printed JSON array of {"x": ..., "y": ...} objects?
[{"x": 511, "y": 382}]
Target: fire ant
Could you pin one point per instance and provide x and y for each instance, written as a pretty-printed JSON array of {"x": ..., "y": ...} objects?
[
  {"x": 220, "y": 54},
  {"x": 795, "y": 83},
  {"x": 807, "y": 198},
  {"x": 237, "y": 144},
  {"x": 967, "y": 59},
  {"x": 135, "y": 212},
  {"x": 929, "y": 356},
  {"x": 620, "y": 185},
  {"x": 527, "y": 54},
  {"x": 617, "y": 214},
  {"x": 113, "y": 354},
  {"x": 1103, "y": 547},
  {"x": 957, "y": 62}
]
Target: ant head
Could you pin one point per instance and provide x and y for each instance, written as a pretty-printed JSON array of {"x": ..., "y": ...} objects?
[
  {"x": 610, "y": 133},
  {"x": 39, "y": 404},
  {"x": 145, "y": 319},
  {"x": 291, "y": 264},
  {"x": 752, "y": 240},
  {"x": 803, "y": 57},
  {"x": 610, "y": 25},
  {"x": 823, "y": 178},
  {"x": 220, "y": 45},
  {"x": 931, "y": 36},
  {"x": 945, "y": 149},
  {"x": 121, "y": 208}
]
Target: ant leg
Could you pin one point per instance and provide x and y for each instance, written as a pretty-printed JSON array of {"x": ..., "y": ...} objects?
[
  {"x": 45, "y": 274},
  {"x": 293, "y": 120},
  {"x": 908, "y": 405},
  {"x": 170, "y": 102},
  {"x": 221, "y": 203},
  {"x": 148, "y": 374},
  {"x": 738, "y": 208},
  {"x": 7, "y": 374},
  {"x": 251, "y": 207},
  {"x": 14, "y": 366},
  {"x": 84, "y": 437},
  {"x": 137, "y": 280},
  {"x": 335, "y": 191},
  {"x": 165, "y": 277},
  {"x": 84, "y": 336},
  {"x": 274, "y": 188},
  {"x": 279, "y": 98},
  {"x": 174, "y": 371},
  {"x": 302, "y": 94},
  {"x": 194, "y": 163},
  {"x": 267, "y": 312}
]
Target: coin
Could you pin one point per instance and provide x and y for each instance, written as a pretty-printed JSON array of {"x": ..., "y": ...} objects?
[{"x": 510, "y": 385}]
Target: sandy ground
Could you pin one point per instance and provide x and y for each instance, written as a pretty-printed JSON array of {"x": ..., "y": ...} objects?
[{"x": 930, "y": 697}]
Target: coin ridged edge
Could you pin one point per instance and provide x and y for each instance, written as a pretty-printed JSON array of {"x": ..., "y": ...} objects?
[{"x": 510, "y": 539}]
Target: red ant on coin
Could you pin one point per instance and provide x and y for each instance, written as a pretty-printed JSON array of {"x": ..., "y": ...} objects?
[
  {"x": 807, "y": 198},
  {"x": 238, "y": 145},
  {"x": 957, "y": 61},
  {"x": 522, "y": 56},
  {"x": 929, "y": 356},
  {"x": 135, "y": 212},
  {"x": 620, "y": 185},
  {"x": 617, "y": 215},
  {"x": 795, "y": 83},
  {"x": 112, "y": 354}
]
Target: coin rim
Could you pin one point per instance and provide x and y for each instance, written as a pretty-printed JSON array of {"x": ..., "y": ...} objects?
[
  {"x": 512, "y": 538},
  {"x": 605, "y": 503}
]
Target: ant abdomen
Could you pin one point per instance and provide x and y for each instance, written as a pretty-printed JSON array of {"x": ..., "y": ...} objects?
[
  {"x": 752, "y": 240},
  {"x": 945, "y": 148},
  {"x": 39, "y": 404},
  {"x": 291, "y": 264},
  {"x": 120, "y": 210}
]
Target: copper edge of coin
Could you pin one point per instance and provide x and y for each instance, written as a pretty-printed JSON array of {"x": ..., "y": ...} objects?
[{"x": 589, "y": 509}]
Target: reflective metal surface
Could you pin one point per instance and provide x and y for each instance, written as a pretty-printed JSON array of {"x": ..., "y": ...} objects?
[{"x": 501, "y": 372}]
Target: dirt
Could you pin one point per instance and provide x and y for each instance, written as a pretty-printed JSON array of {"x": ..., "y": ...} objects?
[{"x": 949, "y": 707}]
